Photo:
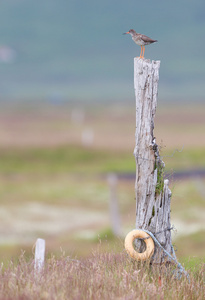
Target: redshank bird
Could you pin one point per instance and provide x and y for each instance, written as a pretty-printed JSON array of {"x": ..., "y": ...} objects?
[{"x": 141, "y": 40}]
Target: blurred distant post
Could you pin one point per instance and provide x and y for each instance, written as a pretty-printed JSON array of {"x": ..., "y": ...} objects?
[
  {"x": 152, "y": 193},
  {"x": 77, "y": 116},
  {"x": 114, "y": 206},
  {"x": 87, "y": 137}
]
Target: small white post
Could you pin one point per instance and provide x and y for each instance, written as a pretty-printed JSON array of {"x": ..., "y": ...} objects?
[{"x": 39, "y": 254}]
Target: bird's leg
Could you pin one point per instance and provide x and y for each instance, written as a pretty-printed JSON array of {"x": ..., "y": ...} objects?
[{"x": 143, "y": 51}]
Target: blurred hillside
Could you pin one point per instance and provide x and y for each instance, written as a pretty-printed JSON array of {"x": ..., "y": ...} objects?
[
  {"x": 76, "y": 50},
  {"x": 55, "y": 167}
]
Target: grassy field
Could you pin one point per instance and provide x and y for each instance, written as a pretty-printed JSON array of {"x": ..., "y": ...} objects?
[
  {"x": 54, "y": 182},
  {"x": 101, "y": 276}
]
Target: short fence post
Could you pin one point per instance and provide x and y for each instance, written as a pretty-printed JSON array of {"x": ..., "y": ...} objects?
[{"x": 39, "y": 254}]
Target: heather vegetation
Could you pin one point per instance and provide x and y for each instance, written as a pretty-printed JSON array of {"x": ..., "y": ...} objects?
[{"x": 102, "y": 276}]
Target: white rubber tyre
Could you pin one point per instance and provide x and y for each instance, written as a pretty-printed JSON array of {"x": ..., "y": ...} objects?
[{"x": 135, "y": 234}]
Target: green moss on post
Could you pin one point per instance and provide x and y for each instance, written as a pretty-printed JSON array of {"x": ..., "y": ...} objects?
[{"x": 160, "y": 180}]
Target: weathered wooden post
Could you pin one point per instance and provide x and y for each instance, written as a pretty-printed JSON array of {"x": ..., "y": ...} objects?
[{"x": 152, "y": 193}]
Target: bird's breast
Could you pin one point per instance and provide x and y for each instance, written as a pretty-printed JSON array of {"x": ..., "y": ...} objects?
[{"x": 139, "y": 42}]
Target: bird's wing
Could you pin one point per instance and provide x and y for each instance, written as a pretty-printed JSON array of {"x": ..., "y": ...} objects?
[{"x": 146, "y": 39}]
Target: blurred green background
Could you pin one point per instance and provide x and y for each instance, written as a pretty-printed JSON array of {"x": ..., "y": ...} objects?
[{"x": 67, "y": 120}]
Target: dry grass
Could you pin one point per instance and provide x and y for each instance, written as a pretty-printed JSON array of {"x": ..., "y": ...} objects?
[{"x": 102, "y": 276}]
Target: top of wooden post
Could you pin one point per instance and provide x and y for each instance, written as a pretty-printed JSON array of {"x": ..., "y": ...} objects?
[
  {"x": 146, "y": 61},
  {"x": 146, "y": 77},
  {"x": 143, "y": 69}
]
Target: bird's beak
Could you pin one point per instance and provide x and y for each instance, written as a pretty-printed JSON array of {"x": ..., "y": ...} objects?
[{"x": 126, "y": 32}]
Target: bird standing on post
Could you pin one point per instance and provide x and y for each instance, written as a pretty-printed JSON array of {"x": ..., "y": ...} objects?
[{"x": 141, "y": 40}]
